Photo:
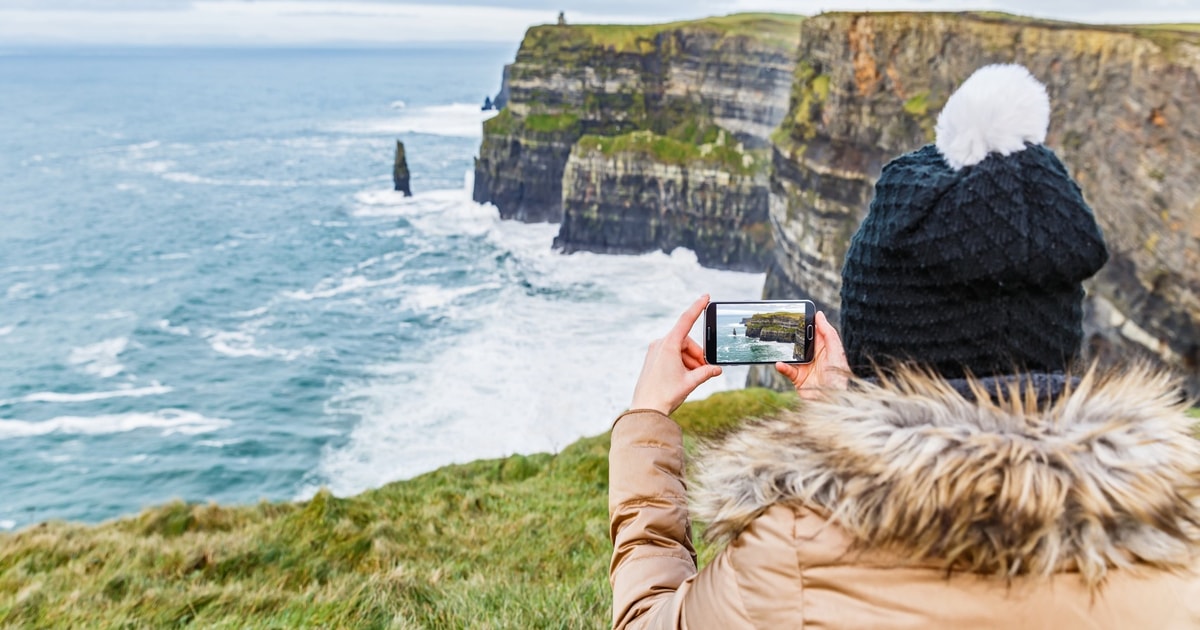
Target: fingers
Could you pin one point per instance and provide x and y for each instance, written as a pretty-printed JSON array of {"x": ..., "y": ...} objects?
[
  {"x": 698, "y": 376},
  {"x": 790, "y": 372},
  {"x": 686, "y": 321},
  {"x": 693, "y": 354}
]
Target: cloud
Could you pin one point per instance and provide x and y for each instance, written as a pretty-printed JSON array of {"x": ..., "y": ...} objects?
[
  {"x": 99, "y": 6},
  {"x": 228, "y": 22},
  {"x": 283, "y": 22}
]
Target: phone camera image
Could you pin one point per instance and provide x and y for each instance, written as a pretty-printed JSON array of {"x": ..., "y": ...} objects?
[{"x": 760, "y": 332}]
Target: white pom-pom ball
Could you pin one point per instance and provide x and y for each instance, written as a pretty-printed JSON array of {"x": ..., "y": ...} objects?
[{"x": 998, "y": 109}]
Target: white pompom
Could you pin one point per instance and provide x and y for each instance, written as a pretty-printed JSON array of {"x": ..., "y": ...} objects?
[{"x": 998, "y": 109}]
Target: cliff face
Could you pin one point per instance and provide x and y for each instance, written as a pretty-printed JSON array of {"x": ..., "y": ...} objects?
[
  {"x": 775, "y": 326},
  {"x": 1126, "y": 112},
  {"x": 687, "y": 84},
  {"x": 629, "y": 195}
]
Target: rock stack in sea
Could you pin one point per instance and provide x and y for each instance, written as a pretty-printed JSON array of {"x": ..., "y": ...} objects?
[{"x": 400, "y": 171}]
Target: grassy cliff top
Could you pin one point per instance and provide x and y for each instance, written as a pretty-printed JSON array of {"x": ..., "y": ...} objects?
[
  {"x": 723, "y": 152},
  {"x": 1187, "y": 31},
  {"x": 770, "y": 29},
  {"x": 520, "y": 542}
]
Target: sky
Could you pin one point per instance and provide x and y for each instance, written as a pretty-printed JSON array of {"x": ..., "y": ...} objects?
[{"x": 398, "y": 22}]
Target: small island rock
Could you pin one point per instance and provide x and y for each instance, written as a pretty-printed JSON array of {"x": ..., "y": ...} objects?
[{"x": 400, "y": 171}]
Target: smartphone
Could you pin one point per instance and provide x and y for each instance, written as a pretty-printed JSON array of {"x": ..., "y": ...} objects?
[{"x": 737, "y": 333}]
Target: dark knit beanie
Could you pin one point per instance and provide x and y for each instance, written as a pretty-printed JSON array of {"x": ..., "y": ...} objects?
[{"x": 972, "y": 257}]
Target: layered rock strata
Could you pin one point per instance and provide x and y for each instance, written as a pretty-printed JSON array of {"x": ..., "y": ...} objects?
[
  {"x": 622, "y": 198},
  {"x": 686, "y": 83},
  {"x": 783, "y": 327}
]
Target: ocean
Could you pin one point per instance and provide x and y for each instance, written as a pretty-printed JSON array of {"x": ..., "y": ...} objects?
[{"x": 210, "y": 292}]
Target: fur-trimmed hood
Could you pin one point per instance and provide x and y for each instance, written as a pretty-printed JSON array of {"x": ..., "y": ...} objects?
[{"x": 1108, "y": 475}]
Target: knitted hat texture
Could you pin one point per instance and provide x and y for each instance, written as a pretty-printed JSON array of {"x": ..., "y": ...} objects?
[{"x": 972, "y": 256}]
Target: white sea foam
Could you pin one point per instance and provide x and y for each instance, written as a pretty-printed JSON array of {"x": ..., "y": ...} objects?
[
  {"x": 26, "y": 268},
  {"x": 254, "y": 312},
  {"x": 167, "y": 421},
  {"x": 158, "y": 167},
  {"x": 260, "y": 182},
  {"x": 398, "y": 105},
  {"x": 165, "y": 326},
  {"x": 100, "y": 359},
  {"x": 550, "y": 357},
  {"x": 6, "y": 330},
  {"x": 19, "y": 291},
  {"x": 328, "y": 289},
  {"x": 243, "y": 343},
  {"x": 459, "y": 120},
  {"x": 61, "y": 397},
  {"x": 115, "y": 314},
  {"x": 7, "y": 524}
]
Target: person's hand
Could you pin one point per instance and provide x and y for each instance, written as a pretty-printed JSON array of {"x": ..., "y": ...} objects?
[
  {"x": 674, "y": 366},
  {"x": 828, "y": 370}
]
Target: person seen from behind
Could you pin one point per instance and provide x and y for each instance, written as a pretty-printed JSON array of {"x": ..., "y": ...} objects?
[{"x": 949, "y": 467}]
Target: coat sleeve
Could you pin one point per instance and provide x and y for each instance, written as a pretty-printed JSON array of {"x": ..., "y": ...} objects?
[{"x": 653, "y": 571}]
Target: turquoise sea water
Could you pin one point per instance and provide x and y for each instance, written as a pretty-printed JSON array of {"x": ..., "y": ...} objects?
[{"x": 208, "y": 290}]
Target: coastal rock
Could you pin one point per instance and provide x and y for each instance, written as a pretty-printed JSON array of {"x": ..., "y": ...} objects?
[
  {"x": 1126, "y": 109},
  {"x": 400, "y": 171},
  {"x": 685, "y": 81},
  {"x": 780, "y": 327},
  {"x": 643, "y": 192}
]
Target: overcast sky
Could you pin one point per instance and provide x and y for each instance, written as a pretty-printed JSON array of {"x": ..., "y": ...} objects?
[{"x": 280, "y": 22}]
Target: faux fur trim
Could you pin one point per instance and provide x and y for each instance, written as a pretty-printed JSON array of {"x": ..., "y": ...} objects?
[{"x": 1106, "y": 476}]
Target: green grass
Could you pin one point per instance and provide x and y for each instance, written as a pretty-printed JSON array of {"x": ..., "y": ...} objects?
[
  {"x": 508, "y": 124},
  {"x": 551, "y": 123},
  {"x": 1189, "y": 28},
  {"x": 1195, "y": 412},
  {"x": 520, "y": 542},
  {"x": 772, "y": 29},
  {"x": 667, "y": 150}
]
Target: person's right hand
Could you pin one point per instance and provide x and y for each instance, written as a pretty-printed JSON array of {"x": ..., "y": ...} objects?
[{"x": 828, "y": 370}]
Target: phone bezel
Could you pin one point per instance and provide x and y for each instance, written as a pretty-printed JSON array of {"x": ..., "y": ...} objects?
[{"x": 710, "y": 331}]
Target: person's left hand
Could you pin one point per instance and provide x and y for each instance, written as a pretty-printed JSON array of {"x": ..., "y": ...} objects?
[{"x": 674, "y": 366}]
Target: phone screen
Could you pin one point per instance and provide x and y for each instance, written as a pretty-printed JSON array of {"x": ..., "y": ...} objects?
[{"x": 759, "y": 332}]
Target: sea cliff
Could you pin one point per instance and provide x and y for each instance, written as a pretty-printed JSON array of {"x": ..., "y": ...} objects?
[
  {"x": 624, "y": 134},
  {"x": 642, "y": 192},
  {"x": 756, "y": 140},
  {"x": 1126, "y": 110}
]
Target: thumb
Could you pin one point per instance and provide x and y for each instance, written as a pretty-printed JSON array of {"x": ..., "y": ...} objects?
[
  {"x": 698, "y": 376},
  {"x": 790, "y": 372}
]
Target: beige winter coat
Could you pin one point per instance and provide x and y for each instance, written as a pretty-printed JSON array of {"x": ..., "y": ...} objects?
[{"x": 905, "y": 505}]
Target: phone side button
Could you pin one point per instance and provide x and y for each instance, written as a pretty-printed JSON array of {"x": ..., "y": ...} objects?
[{"x": 809, "y": 333}]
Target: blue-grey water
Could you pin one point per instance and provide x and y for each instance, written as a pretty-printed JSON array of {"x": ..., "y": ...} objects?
[{"x": 208, "y": 290}]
